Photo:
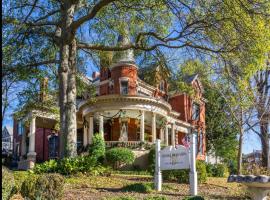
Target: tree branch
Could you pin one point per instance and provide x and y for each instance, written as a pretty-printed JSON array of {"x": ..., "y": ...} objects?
[{"x": 91, "y": 14}]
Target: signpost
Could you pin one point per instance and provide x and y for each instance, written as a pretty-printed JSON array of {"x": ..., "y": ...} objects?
[{"x": 171, "y": 158}]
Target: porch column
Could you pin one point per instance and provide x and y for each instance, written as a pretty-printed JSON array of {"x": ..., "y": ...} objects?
[
  {"x": 142, "y": 127},
  {"x": 32, "y": 137},
  {"x": 91, "y": 130},
  {"x": 31, "y": 156},
  {"x": 154, "y": 127},
  {"x": 84, "y": 135},
  {"x": 166, "y": 136},
  {"x": 101, "y": 129},
  {"x": 173, "y": 135}
]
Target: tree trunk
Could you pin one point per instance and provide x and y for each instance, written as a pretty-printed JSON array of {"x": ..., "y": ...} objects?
[
  {"x": 265, "y": 142},
  {"x": 67, "y": 85},
  {"x": 239, "y": 158}
]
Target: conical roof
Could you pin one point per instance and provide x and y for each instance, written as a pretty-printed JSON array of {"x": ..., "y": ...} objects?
[{"x": 125, "y": 56}]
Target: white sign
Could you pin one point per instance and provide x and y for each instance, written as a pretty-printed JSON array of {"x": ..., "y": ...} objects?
[{"x": 174, "y": 158}]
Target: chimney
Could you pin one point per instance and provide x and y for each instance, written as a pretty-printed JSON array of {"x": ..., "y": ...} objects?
[
  {"x": 95, "y": 75},
  {"x": 44, "y": 89}
]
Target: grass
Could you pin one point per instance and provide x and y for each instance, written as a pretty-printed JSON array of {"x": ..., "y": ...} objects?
[{"x": 141, "y": 187}]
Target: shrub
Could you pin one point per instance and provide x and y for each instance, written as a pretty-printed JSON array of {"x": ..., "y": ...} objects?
[
  {"x": 7, "y": 183},
  {"x": 181, "y": 175},
  {"x": 194, "y": 198},
  {"x": 201, "y": 170},
  {"x": 67, "y": 165},
  {"x": 217, "y": 170},
  {"x": 28, "y": 187},
  {"x": 49, "y": 186},
  {"x": 46, "y": 167},
  {"x": 220, "y": 170},
  {"x": 139, "y": 187},
  {"x": 155, "y": 198},
  {"x": 97, "y": 148},
  {"x": 119, "y": 156}
]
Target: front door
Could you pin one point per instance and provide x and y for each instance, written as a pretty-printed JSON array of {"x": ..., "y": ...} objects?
[{"x": 53, "y": 146}]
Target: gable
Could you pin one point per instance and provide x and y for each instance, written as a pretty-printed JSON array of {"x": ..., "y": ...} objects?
[{"x": 5, "y": 133}]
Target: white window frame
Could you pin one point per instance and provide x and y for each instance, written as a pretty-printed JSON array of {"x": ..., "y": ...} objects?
[{"x": 122, "y": 79}]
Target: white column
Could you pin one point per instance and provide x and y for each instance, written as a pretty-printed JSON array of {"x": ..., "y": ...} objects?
[
  {"x": 166, "y": 136},
  {"x": 193, "y": 173},
  {"x": 158, "y": 175},
  {"x": 154, "y": 128},
  {"x": 84, "y": 135},
  {"x": 91, "y": 130},
  {"x": 101, "y": 128},
  {"x": 173, "y": 135},
  {"x": 142, "y": 127},
  {"x": 32, "y": 137}
]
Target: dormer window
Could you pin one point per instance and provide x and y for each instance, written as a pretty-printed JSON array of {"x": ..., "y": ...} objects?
[
  {"x": 162, "y": 86},
  {"x": 124, "y": 87},
  {"x": 195, "y": 111}
]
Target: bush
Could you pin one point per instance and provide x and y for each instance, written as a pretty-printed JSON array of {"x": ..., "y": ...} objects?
[
  {"x": 194, "y": 198},
  {"x": 181, "y": 175},
  {"x": 28, "y": 187},
  {"x": 155, "y": 198},
  {"x": 119, "y": 156},
  {"x": 49, "y": 186},
  {"x": 217, "y": 170},
  {"x": 201, "y": 170},
  {"x": 46, "y": 186},
  {"x": 97, "y": 148},
  {"x": 139, "y": 187},
  {"x": 46, "y": 167},
  {"x": 8, "y": 183},
  {"x": 67, "y": 165}
]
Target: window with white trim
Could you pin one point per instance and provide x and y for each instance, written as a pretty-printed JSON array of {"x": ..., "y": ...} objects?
[
  {"x": 20, "y": 128},
  {"x": 162, "y": 85},
  {"x": 124, "y": 87},
  {"x": 195, "y": 111}
]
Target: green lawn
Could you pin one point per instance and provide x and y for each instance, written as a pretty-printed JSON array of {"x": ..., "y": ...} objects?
[{"x": 139, "y": 186}]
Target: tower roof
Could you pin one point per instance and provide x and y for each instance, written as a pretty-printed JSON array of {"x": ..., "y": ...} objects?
[{"x": 125, "y": 56}]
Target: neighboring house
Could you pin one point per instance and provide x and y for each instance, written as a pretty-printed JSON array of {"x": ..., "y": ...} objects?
[
  {"x": 7, "y": 138},
  {"x": 254, "y": 157},
  {"x": 126, "y": 110}
]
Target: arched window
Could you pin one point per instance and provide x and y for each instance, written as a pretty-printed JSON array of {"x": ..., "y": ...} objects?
[{"x": 162, "y": 85}]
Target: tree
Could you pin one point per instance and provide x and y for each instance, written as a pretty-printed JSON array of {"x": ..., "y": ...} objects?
[
  {"x": 62, "y": 25},
  {"x": 261, "y": 121}
]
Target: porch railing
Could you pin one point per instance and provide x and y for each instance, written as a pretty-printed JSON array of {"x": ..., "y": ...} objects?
[{"x": 129, "y": 144}]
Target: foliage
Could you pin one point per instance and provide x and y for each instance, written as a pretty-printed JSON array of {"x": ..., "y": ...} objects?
[
  {"x": 7, "y": 183},
  {"x": 46, "y": 186},
  {"x": 194, "y": 198},
  {"x": 121, "y": 198},
  {"x": 181, "y": 175},
  {"x": 49, "y": 186},
  {"x": 119, "y": 156},
  {"x": 255, "y": 170},
  {"x": 136, "y": 172},
  {"x": 139, "y": 187},
  {"x": 201, "y": 170},
  {"x": 217, "y": 170},
  {"x": 28, "y": 187},
  {"x": 98, "y": 147},
  {"x": 155, "y": 198},
  {"x": 67, "y": 165},
  {"x": 46, "y": 167},
  {"x": 20, "y": 177}
]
